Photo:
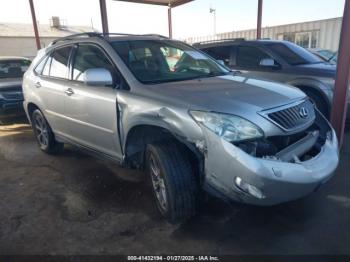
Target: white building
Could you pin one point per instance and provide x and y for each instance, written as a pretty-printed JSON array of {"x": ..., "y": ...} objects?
[
  {"x": 315, "y": 34},
  {"x": 19, "y": 40}
]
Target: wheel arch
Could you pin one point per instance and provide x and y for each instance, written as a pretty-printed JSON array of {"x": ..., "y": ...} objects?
[
  {"x": 31, "y": 107},
  {"x": 313, "y": 85},
  {"x": 139, "y": 136}
]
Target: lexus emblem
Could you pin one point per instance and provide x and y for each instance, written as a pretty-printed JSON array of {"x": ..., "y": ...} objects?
[{"x": 303, "y": 112}]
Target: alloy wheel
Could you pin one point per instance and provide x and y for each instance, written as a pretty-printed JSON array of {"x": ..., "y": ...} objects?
[
  {"x": 158, "y": 184},
  {"x": 41, "y": 130}
]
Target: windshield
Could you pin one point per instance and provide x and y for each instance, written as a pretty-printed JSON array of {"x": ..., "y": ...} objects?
[
  {"x": 294, "y": 54},
  {"x": 13, "y": 68},
  {"x": 159, "y": 61}
]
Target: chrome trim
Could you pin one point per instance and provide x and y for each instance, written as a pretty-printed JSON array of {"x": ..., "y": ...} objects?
[{"x": 265, "y": 114}]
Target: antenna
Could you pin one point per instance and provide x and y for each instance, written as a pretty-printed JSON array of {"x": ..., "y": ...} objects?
[{"x": 213, "y": 11}]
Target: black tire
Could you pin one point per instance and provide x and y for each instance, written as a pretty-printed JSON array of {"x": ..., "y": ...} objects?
[
  {"x": 319, "y": 101},
  {"x": 44, "y": 135},
  {"x": 181, "y": 188}
]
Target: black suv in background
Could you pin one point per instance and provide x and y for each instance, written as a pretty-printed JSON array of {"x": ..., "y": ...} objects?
[
  {"x": 279, "y": 61},
  {"x": 11, "y": 96}
]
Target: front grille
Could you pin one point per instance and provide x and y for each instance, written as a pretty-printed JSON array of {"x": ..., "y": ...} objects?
[
  {"x": 13, "y": 96},
  {"x": 295, "y": 116}
]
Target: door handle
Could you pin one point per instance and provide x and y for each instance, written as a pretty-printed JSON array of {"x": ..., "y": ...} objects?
[
  {"x": 69, "y": 92},
  {"x": 37, "y": 85}
]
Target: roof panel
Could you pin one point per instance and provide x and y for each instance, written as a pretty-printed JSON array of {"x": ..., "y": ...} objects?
[{"x": 172, "y": 3}]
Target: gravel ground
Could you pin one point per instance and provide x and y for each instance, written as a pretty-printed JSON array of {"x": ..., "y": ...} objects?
[{"x": 75, "y": 204}]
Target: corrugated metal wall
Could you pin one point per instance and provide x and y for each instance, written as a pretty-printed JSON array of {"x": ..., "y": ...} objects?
[{"x": 329, "y": 32}]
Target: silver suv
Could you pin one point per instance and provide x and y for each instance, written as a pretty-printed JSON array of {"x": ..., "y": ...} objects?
[{"x": 160, "y": 105}]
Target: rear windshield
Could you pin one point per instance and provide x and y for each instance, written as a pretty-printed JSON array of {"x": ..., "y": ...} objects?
[
  {"x": 13, "y": 68},
  {"x": 294, "y": 54},
  {"x": 160, "y": 61}
]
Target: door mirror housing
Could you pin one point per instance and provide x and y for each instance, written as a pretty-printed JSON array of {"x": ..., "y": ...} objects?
[
  {"x": 97, "y": 77},
  {"x": 268, "y": 62}
]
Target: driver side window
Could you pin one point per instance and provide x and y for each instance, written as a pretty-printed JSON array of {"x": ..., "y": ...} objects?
[
  {"x": 88, "y": 57},
  {"x": 250, "y": 57}
]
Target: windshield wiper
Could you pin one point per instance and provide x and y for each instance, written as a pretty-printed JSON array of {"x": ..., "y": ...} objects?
[{"x": 184, "y": 79}]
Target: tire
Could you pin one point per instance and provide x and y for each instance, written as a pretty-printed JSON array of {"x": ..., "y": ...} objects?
[
  {"x": 44, "y": 135},
  {"x": 319, "y": 101},
  {"x": 175, "y": 181}
]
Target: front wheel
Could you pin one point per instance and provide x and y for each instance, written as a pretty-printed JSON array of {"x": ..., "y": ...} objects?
[
  {"x": 44, "y": 134},
  {"x": 173, "y": 182}
]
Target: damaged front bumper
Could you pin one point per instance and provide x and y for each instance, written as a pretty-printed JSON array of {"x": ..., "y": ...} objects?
[{"x": 278, "y": 181}]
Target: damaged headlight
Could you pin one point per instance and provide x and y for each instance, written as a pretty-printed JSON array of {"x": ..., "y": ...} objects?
[{"x": 229, "y": 127}]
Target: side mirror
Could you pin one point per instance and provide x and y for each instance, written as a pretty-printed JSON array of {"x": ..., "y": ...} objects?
[
  {"x": 268, "y": 62},
  {"x": 97, "y": 77}
]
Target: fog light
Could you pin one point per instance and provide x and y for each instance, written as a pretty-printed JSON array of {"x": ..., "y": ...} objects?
[{"x": 248, "y": 188}]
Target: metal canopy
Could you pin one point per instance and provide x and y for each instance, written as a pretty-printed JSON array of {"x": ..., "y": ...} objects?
[{"x": 170, "y": 3}]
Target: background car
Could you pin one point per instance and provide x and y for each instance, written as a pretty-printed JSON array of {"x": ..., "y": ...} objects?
[
  {"x": 325, "y": 54},
  {"x": 279, "y": 61},
  {"x": 11, "y": 96}
]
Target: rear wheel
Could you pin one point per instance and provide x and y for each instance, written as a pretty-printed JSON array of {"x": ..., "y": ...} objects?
[
  {"x": 44, "y": 134},
  {"x": 174, "y": 186}
]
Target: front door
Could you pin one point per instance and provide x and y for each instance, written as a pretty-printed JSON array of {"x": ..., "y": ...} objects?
[
  {"x": 91, "y": 111},
  {"x": 248, "y": 61}
]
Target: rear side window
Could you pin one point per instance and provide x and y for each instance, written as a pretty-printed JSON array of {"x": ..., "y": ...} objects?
[
  {"x": 46, "y": 70},
  {"x": 249, "y": 56},
  {"x": 39, "y": 68},
  {"x": 220, "y": 53},
  {"x": 87, "y": 57},
  {"x": 59, "y": 63}
]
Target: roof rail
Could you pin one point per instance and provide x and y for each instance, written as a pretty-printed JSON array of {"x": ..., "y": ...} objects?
[
  {"x": 96, "y": 34},
  {"x": 74, "y": 36},
  {"x": 219, "y": 40},
  {"x": 124, "y": 34},
  {"x": 111, "y": 34},
  {"x": 161, "y": 36}
]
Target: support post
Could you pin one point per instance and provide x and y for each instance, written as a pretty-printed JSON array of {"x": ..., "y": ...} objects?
[
  {"x": 104, "y": 18},
  {"x": 258, "y": 27},
  {"x": 170, "y": 23},
  {"x": 35, "y": 25},
  {"x": 342, "y": 80}
]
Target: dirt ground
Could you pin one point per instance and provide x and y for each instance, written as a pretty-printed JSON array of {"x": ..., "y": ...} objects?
[{"x": 75, "y": 204}]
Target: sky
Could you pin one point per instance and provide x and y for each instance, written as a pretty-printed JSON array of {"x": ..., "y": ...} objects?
[{"x": 192, "y": 19}]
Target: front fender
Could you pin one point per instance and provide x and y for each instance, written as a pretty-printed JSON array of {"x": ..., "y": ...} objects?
[
  {"x": 144, "y": 112},
  {"x": 316, "y": 85}
]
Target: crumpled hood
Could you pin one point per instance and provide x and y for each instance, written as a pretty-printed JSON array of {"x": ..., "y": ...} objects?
[
  {"x": 228, "y": 94},
  {"x": 11, "y": 84}
]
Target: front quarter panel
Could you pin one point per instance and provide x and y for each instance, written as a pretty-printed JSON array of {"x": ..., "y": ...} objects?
[{"x": 138, "y": 109}]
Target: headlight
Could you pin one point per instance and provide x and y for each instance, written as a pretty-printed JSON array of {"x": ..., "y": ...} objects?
[{"x": 229, "y": 127}]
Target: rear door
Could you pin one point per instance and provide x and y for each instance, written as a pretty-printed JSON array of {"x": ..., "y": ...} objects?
[
  {"x": 91, "y": 111},
  {"x": 51, "y": 80}
]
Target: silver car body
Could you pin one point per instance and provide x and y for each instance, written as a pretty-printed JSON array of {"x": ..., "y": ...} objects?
[{"x": 102, "y": 119}]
